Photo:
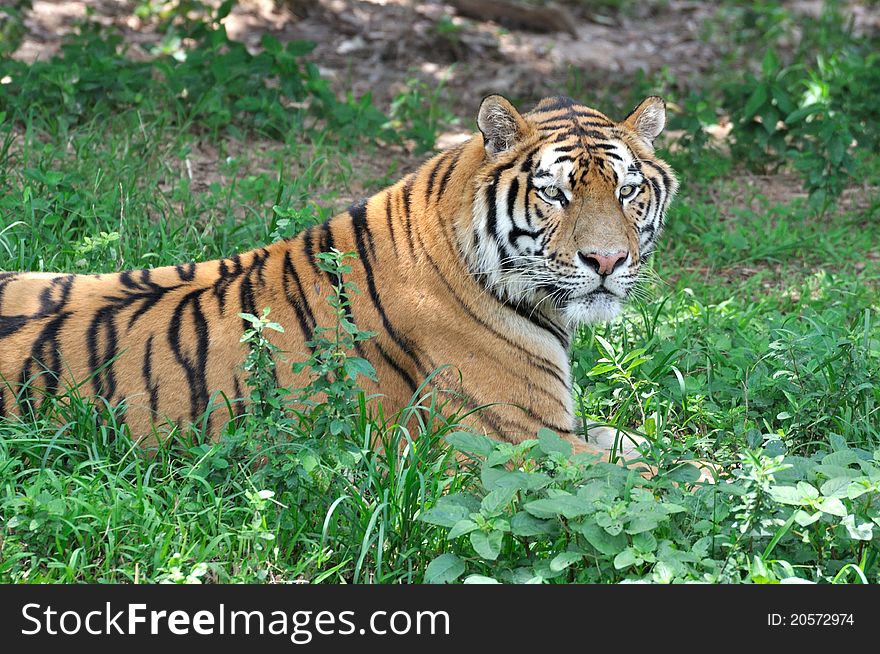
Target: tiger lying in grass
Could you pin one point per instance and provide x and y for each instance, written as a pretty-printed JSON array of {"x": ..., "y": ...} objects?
[{"x": 486, "y": 258}]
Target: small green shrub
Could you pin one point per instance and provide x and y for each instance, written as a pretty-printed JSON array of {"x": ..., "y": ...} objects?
[
  {"x": 419, "y": 113},
  {"x": 539, "y": 515},
  {"x": 215, "y": 86}
]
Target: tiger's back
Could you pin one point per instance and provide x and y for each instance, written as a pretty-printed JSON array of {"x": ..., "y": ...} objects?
[{"x": 470, "y": 263}]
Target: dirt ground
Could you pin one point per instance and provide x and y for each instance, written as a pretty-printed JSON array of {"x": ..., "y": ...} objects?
[{"x": 378, "y": 45}]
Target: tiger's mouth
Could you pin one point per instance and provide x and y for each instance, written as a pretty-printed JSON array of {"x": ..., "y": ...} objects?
[
  {"x": 599, "y": 305},
  {"x": 599, "y": 293},
  {"x": 579, "y": 306}
]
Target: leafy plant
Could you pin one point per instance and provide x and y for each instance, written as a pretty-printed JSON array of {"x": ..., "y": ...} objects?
[
  {"x": 541, "y": 515},
  {"x": 420, "y": 114}
]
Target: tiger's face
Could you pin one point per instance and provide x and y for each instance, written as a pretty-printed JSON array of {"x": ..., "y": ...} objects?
[{"x": 568, "y": 207}]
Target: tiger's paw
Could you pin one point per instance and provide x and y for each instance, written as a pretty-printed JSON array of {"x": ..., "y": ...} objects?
[
  {"x": 611, "y": 440},
  {"x": 601, "y": 443},
  {"x": 625, "y": 445}
]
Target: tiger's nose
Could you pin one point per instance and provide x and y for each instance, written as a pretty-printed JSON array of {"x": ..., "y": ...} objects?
[{"x": 604, "y": 264}]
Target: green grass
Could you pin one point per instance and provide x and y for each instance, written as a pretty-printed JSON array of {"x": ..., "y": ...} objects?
[{"x": 757, "y": 347}]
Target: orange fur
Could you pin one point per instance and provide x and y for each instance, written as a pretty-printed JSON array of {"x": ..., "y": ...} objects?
[{"x": 166, "y": 340}]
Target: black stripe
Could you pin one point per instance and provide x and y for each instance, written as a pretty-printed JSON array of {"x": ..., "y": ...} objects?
[
  {"x": 260, "y": 258},
  {"x": 492, "y": 199},
  {"x": 335, "y": 278},
  {"x": 530, "y": 315},
  {"x": 49, "y": 303},
  {"x": 11, "y": 324},
  {"x": 247, "y": 300},
  {"x": 554, "y": 104},
  {"x": 388, "y": 217},
  {"x": 101, "y": 363},
  {"x": 147, "y": 291},
  {"x": 186, "y": 272},
  {"x": 562, "y": 158},
  {"x": 46, "y": 353},
  {"x": 225, "y": 280},
  {"x": 147, "y": 373},
  {"x": 53, "y": 299},
  {"x": 296, "y": 297},
  {"x": 485, "y": 414},
  {"x": 432, "y": 176},
  {"x": 363, "y": 237},
  {"x": 512, "y": 196},
  {"x": 556, "y": 428},
  {"x": 237, "y": 406},
  {"x": 539, "y": 362},
  {"x": 554, "y": 124},
  {"x": 327, "y": 244},
  {"x": 194, "y": 363},
  {"x": 407, "y": 378},
  {"x": 667, "y": 182},
  {"x": 529, "y": 161},
  {"x": 309, "y": 249},
  {"x": 445, "y": 180},
  {"x": 406, "y": 191}
]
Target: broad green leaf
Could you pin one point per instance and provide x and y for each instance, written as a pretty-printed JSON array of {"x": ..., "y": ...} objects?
[
  {"x": 804, "y": 519},
  {"x": 832, "y": 471},
  {"x": 645, "y": 542},
  {"x": 569, "y": 506},
  {"x": 525, "y": 524},
  {"x": 596, "y": 490},
  {"x": 355, "y": 366},
  {"x": 470, "y": 443},
  {"x": 496, "y": 501},
  {"x": 843, "y": 458},
  {"x": 625, "y": 559},
  {"x": 564, "y": 559},
  {"x": 755, "y": 102},
  {"x": 445, "y": 569},
  {"x": 832, "y": 506},
  {"x": 770, "y": 63},
  {"x": 836, "y": 487},
  {"x": 613, "y": 525},
  {"x": 499, "y": 457},
  {"x": 807, "y": 491},
  {"x": 448, "y": 511},
  {"x": 605, "y": 347},
  {"x": 787, "y": 495},
  {"x": 662, "y": 573},
  {"x": 643, "y": 523},
  {"x": 493, "y": 478},
  {"x": 798, "y": 115},
  {"x": 859, "y": 488},
  {"x": 542, "y": 570},
  {"x": 480, "y": 579},
  {"x": 601, "y": 369},
  {"x": 461, "y": 528},
  {"x": 602, "y": 540},
  {"x": 862, "y": 531},
  {"x": 684, "y": 473},
  {"x": 488, "y": 546},
  {"x": 549, "y": 441}
]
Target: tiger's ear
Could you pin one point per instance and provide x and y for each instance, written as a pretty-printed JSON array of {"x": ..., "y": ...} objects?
[
  {"x": 501, "y": 124},
  {"x": 648, "y": 119}
]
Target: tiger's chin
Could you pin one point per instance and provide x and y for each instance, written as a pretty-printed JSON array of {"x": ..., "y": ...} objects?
[{"x": 603, "y": 307}]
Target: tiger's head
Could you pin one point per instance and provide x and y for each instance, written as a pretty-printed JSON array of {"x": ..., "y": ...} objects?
[{"x": 568, "y": 205}]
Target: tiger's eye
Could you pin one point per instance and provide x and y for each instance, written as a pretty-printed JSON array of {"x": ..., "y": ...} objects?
[
  {"x": 626, "y": 190},
  {"x": 551, "y": 191}
]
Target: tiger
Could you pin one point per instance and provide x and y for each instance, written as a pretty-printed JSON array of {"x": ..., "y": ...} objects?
[{"x": 473, "y": 273}]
